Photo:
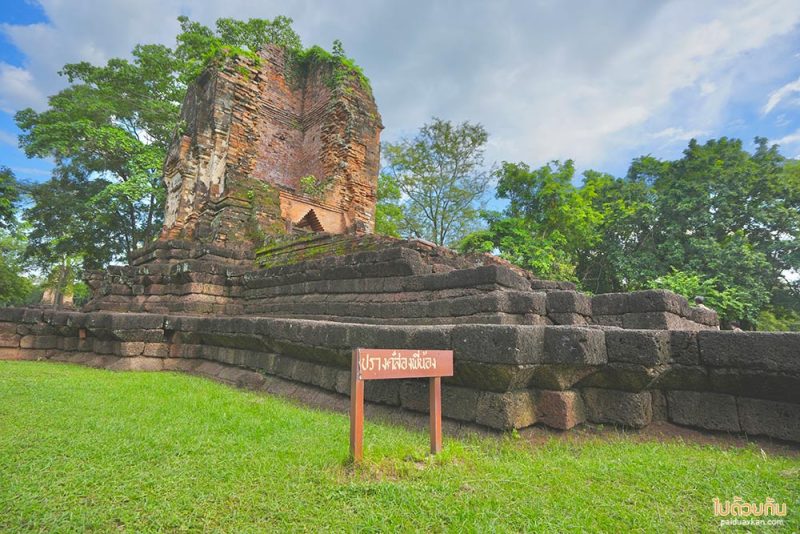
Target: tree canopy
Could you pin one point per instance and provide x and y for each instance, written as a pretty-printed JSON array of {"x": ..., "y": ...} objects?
[
  {"x": 719, "y": 221},
  {"x": 14, "y": 286},
  {"x": 9, "y": 195},
  {"x": 441, "y": 178}
]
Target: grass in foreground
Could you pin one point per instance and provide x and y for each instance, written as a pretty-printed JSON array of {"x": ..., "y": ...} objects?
[{"x": 83, "y": 449}]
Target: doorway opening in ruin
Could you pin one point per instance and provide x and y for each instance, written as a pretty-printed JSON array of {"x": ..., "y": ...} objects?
[{"x": 310, "y": 221}]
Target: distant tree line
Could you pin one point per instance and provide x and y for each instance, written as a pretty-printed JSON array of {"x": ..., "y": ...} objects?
[{"x": 720, "y": 222}]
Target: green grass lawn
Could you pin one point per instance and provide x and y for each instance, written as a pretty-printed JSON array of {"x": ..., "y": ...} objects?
[{"x": 84, "y": 449}]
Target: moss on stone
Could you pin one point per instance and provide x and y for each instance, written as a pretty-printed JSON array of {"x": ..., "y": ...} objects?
[
  {"x": 290, "y": 250},
  {"x": 342, "y": 71}
]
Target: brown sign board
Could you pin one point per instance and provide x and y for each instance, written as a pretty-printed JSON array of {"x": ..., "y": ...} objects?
[
  {"x": 379, "y": 364},
  {"x": 383, "y": 364}
]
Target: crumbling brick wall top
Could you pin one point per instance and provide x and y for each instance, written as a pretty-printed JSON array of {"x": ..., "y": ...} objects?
[{"x": 310, "y": 132}]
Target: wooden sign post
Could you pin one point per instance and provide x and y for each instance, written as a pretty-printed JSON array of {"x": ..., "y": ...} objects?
[{"x": 384, "y": 364}]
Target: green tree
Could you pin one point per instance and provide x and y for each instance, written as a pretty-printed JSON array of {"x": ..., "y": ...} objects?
[
  {"x": 729, "y": 302},
  {"x": 547, "y": 222},
  {"x": 113, "y": 121},
  {"x": 9, "y": 195},
  {"x": 514, "y": 240},
  {"x": 388, "y": 211},
  {"x": 15, "y": 287},
  {"x": 620, "y": 256},
  {"x": 70, "y": 230},
  {"x": 774, "y": 319},
  {"x": 441, "y": 175},
  {"x": 730, "y": 215},
  {"x": 720, "y": 217}
]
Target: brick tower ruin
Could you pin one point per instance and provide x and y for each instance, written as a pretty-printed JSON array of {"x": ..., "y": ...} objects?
[{"x": 271, "y": 144}]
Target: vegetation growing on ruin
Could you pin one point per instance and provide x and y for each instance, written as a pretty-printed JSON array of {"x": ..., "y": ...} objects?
[
  {"x": 264, "y": 215},
  {"x": 342, "y": 69},
  {"x": 314, "y": 187},
  {"x": 200, "y": 47},
  {"x": 91, "y": 450},
  {"x": 289, "y": 250}
]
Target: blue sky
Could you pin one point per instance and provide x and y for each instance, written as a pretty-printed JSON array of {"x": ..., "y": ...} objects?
[{"x": 597, "y": 81}]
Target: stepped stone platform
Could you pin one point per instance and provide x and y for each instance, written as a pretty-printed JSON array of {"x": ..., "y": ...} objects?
[
  {"x": 258, "y": 279},
  {"x": 370, "y": 279},
  {"x": 527, "y": 351}
]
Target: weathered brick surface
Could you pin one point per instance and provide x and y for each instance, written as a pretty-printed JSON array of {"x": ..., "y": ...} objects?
[
  {"x": 624, "y": 376},
  {"x": 460, "y": 403},
  {"x": 656, "y": 320},
  {"x": 656, "y": 300},
  {"x": 569, "y": 302},
  {"x": 643, "y": 347},
  {"x": 514, "y": 409},
  {"x": 491, "y": 377},
  {"x": 755, "y": 383},
  {"x": 768, "y": 418},
  {"x": 602, "y": 374},
  {"x": 689, "y": 377},
  {"x": 651, "y": 310},
  {"x": 499, "y": 344},
  {"x": 559, "y": 409},
  {"x": 575, "y": 319},
  {"x": 610, "y": 304},
  {"x": 9, "y": 339},
  {"x": 560, "y": 377},
  {"x": 713, "y": 411},
  {"x": 684, "y": 348},
  {"x": 574, "y": 346},
  {"x": 770, "y": 351},
  {"x": 249, "y": 126},
  {"x": 383, "y": 391},
  {"x": 659, "y": 405},
  {"x": 618, "y": 407}
]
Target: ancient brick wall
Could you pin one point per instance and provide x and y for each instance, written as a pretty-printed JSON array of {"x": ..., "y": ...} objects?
[
  {"x": 506, "y": 376},
  {"x": 249, "y": 126}
]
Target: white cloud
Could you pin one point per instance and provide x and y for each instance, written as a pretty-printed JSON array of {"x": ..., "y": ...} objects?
[
  {"x": 30, "y": 171},
  {"x": 589, "y": 111},
  {"x": 678, "y": 134},
  {"x": 789, "y": 139},
  {"x": 17, "y": 89},
  {"x": 782, "y": 120},
  {"x": 781, "y": 93},
  {"x": 546, "y": 83},
  {"x": 706, "y": 88},
  {"x": 7, "y": 138}
]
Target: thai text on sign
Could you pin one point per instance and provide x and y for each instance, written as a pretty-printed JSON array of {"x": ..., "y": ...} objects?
[
  {"x": 379, "y": 364},
  {"x": 376, "y": 364}
]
